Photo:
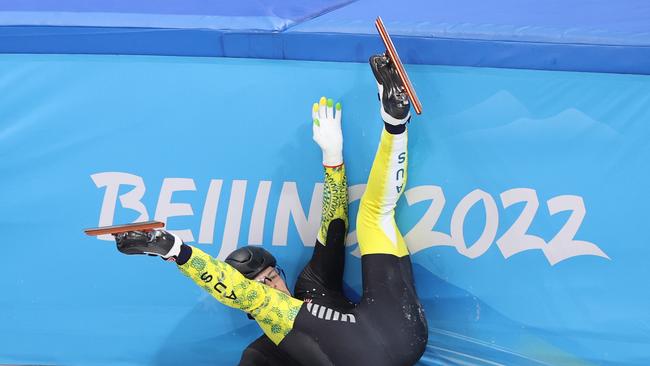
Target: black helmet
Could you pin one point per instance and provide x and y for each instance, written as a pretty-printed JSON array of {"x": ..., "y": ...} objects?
[{"x": 251, "y": 260}]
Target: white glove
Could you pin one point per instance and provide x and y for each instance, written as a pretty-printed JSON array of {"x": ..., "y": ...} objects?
[{"x": 327, "y": 131}]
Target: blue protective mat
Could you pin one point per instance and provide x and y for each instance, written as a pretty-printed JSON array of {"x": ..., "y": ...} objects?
[
  {"x": 249, "y": 15},
  {"x": 584, "y": 22},
  {"x": 291, "y": 9},
  {"x": 588, "y": 35}
]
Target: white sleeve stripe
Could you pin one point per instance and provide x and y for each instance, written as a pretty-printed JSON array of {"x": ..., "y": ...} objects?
[
  {"x": 328, "y": 316},
  {"x": 314, "y": 310}
]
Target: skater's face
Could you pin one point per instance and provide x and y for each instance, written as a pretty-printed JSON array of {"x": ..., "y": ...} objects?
[{"x": 272, "y": 278}]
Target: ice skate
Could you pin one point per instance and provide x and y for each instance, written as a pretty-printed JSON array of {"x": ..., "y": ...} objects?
[
  {"x": 394, "y": 100},
  {"x": 394, "y": 61},
  {"x": 153, "y": 242}
]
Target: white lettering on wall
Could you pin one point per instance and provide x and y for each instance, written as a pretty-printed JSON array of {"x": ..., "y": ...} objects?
[
  {"x": 289, "y": 206},
  {"x": 233, "y": 218},
  {"x": 514, "y": 240},
  {"x": 563, "y": 246},
  {"x": 421, "y": 236},
  {"x": 130, "y": 200},
  {"x": 166, "y": 209},
  {"x": 206, "y": 233},
  {"x": 482, "y": 244},
  {"x": 258, "y": 217}
]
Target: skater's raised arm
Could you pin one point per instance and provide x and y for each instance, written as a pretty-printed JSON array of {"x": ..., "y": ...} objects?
[
  {"x": 326, "y": 265},
  {"x": 327, "y": 133}
]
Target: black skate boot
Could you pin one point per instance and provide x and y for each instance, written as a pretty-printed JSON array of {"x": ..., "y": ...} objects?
[
  {"x": 395, "y": 106},
  {"x": 155, "y": 242}
]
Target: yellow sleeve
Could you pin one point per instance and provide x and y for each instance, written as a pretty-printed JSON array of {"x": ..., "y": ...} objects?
[
  {"x": 335, "y": 200},
  {"x": 273, "y": 310}
]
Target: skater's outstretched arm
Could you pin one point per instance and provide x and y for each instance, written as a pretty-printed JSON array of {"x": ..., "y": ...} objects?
[
  {"x": 273, "y": 310},
  {"x": 326, "y": 264},
  {"x": 326, "y": 127}
]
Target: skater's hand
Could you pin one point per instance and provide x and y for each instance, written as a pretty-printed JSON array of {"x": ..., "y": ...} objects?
[{"x": 327, "y": 131}]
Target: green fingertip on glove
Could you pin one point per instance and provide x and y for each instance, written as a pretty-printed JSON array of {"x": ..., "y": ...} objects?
[
  {"x": 316, "y": 122},
  {"x": 338, "y": 106},
  {"x": 330, "y": 103}
]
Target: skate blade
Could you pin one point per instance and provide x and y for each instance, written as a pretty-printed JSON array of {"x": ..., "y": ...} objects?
[
  {"x": 392, "y": 54},
  {"x": 116, "y": 229}
]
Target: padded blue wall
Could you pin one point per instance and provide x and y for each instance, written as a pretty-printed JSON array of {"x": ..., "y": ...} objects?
[
  {"x": 583, "y": 35},
  {"x": 526, "y": 204}
]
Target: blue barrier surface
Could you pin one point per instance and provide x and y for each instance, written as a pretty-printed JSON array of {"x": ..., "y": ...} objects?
[
  {"x": 583, "y": 35},
  {"x": 250, "y": 15},
  {"x": 525, "y": 209}
]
